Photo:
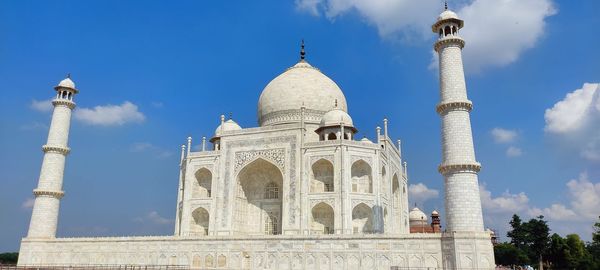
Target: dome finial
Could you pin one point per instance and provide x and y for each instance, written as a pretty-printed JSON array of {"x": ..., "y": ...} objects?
[
  {"x": 69, "y": 75},
  {"x": 302, "y": 52},
  {"x": 445, "y": 5},
  {"x": 230, "y": 115}
]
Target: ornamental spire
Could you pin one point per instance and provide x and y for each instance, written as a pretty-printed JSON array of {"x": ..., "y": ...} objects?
[
  {"x": 302, "y": 52},
  {"x": 445, "y": 5}
]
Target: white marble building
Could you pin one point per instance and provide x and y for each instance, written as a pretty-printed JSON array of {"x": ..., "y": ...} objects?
[{"x": 297, "y": 192}]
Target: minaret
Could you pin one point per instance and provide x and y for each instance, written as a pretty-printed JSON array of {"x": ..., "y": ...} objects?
[
  {"x": 48, "y": 193},
  {"x": 459, "y": 167}
]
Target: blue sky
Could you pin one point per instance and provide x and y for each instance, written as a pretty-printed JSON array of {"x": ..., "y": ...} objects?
[{"x": 152, "y": 73}]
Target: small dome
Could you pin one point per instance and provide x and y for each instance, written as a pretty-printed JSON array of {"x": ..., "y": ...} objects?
[
  {"x": 448, "y": 14},
  {"x": 435, "y": 213},
  {"x": 417, "y": 215},
  {"x": 228, "y": 125},
  {"x": 300, "y": 85},
  {"x": 66, "y": 83},
  {"x": 335, "y": 117},
  {"x": 365, "y": 139}
]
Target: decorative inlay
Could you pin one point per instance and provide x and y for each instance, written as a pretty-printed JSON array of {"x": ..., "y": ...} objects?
[
  {"x": 314, "y": 159},
  {"x": 450, "y": 168},
  {"x": 230, "y": 146},
  {"x": 330, "y": 202},
  {"x": 464, "y": 105},
  {"x": 64, "y": 102},
  {"x": 56, "y": 149},
  {"x": 449, "y": 41},
  {"x": 55, "y": 194},
  {"x": 276, "y": 156},
  {"x": 368, "y": 160},
  {"x": 312, "y": 116},
  {"x": 356, "y": 202}
]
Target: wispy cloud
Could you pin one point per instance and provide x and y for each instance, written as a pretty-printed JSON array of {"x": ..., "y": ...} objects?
[
  {"x": 34, "y": 126},
  {"x": 420, "y": 193},
  {"x": 154, "y": 218},
  {"x": 517, "y": 25},
  {"x": 502, "y": 135},
  {"x": 28, "y": 203},
  {"x": 156, "y": 151},
  {"x": 514, "y": 151},
  {"x": 110, "y": 115},
  {"x": 41, "y": 105}
]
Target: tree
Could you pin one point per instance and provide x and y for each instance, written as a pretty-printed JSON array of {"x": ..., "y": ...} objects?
[
  {"x": 593, "y": 248},
  {"x": 538, "y": 234},
  {"x": 9, "y": 258},
  {"x": 508, "y": 254}
]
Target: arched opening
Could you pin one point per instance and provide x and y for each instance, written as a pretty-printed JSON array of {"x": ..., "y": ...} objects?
[
  {"x": 362, "y": 219},
  {"x": 454, "y": 30},
  {"x": 362, "y": 180},
  {"x": 322, "y": 177},
  {"x": 200, "y": 219},
  {"x": 203, "y": 185},
  {"x": 331, "y": 136},
  {"x": 258, "y": 200},
  {"x": 346, "y": 136},
  {"x": 385, "y": 219},
  {"x": 447, "y": 30},
  {"x": 441, "y": 32},
  {"x": 322, "y": 219}
]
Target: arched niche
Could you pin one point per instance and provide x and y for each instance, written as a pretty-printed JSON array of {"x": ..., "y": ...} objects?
[
  {"x": 396, "y": 200},
  {"x": 362, "y": 179},
  {"x": 322, "y": 177},
  {"x": 362, "y": 219},
  {"x": 323, "y": 220},
  {"x": 203, "y": 183},
  {"x": 200, "y": 220},
  {"x": 258, "y": 201}
]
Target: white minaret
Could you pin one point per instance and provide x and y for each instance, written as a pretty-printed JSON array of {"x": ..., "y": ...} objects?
[
  {"x": 48, "y": 193},
  {"x": 459, "y": 167}
]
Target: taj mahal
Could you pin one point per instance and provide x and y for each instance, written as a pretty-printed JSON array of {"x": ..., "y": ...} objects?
[{"x": 298, "y": 191}]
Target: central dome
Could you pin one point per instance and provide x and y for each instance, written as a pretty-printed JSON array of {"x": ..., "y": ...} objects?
[{"x": 300, "y": 85}]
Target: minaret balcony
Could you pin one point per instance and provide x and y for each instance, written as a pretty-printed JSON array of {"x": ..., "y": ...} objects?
[{"x": 449, "y": 40}]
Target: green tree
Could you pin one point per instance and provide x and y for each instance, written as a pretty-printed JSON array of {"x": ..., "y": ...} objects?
[
  {"x": 9, "y": 258},
  {"x": 508, "y": 254},
  {"x": 593, "y": 248},
  {"x": 538, "y": 236}
]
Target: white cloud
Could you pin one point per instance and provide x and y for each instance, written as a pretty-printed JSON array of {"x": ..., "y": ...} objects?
[
  {"x": 41, "y": 105},
  {"x": 419, "y": 193},
  {"x": 575, "y": 216},
  {"x": 502, "y": 135},
  {"x": 110, "y": 115},
  {"x": 156, "y": 151},
  {"x": 575, "y": 121},
  {"x": 28, "y": 203},
  {"x": 506, "y": 203},
  {"x": 513, "y": 151},
  {"x": 505, "y": 27},
  {"x": 154, "y": 218},
  {"x": 575, "y": 111}
]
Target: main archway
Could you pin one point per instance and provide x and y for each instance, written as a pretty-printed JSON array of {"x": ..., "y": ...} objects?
[{"x": 258, "y": 199}]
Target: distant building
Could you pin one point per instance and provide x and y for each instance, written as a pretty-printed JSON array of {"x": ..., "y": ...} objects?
[{"x": 419, "y": 222}]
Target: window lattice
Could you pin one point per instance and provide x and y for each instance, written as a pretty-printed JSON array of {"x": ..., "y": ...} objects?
[{"x": 272, "y": 191}]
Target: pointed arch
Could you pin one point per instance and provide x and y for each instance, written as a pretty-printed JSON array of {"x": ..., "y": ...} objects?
[
  {"x": 323, "y": 219},
  {"x": 322, "y": 176},
  {"x": 362, "y": 177},
  {"x": 200, "y": 220},
  {"x": 203, "y": 185},
  {"x": 331, "y": 137},
  {"x": 362, "y": 219},
  {"x": 258, "y": 202}
]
